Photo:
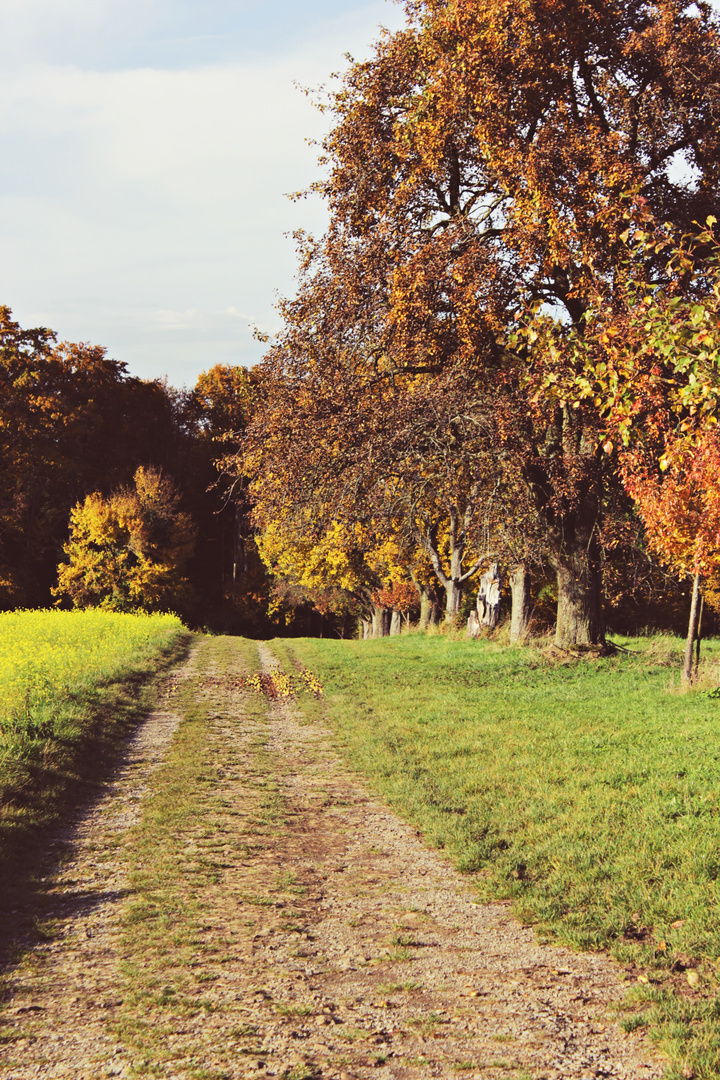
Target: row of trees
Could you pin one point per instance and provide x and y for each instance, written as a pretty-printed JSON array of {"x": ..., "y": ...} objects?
[
  {"x": 505, "y": 346},
  {"x": 504, "y": 349}
]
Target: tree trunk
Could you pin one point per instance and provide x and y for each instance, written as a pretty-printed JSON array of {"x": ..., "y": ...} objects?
[
  {"x": 454, "y": 586},
  {"x": 521, "y": 604},
  {"x": 365, "y": 629},
  {"x": 395, "y": 623},
  {"x": 573, "y": 519},
  {"x": 579, "y": 580},
  {"x": 699, "y": 635},
  {"x": 579, "y": 610},
  {"x": 429, "y": 611},
  {"x": 488, "y": 600},
  {"x": 687, "y": 674},
  {"x": 380, "y": 622},
  {"x": 453, "y": 599}
]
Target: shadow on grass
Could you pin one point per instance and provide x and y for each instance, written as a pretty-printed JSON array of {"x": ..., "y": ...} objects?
[{"x": 48, "y": 788}]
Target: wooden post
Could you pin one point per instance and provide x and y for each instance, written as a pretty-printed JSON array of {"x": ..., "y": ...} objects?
[
  {"x": 687, "y": 674},
  {"x": 699, "y": 635}
]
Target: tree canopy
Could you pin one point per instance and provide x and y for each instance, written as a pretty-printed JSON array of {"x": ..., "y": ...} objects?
[
  {"x": 129, "y": 551},
  {"x": 510, "y": 320},
  {"x": 484, "y": 170}
]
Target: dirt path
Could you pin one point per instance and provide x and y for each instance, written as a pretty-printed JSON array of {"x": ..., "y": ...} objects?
[{"x": 312, "y": 936}]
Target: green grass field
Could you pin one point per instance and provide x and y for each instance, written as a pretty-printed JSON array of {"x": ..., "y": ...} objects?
[
  {"x": 587, "y": 792},
  {"x": 584, "y": 791}
]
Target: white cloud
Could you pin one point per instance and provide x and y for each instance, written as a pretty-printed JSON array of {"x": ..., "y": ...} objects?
[
  {"x": 145, "y": 208},
  {"x": 156, "y": 188},
  {"x": 180, "y": 320}
]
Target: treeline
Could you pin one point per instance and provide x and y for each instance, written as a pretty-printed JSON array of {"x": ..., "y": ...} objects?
[
  {"x": 505, "y": 349},
  {"x": 112, "y": 478}
]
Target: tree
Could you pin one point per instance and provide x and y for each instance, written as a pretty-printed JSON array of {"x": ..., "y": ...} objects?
[
  {"x": 680, "y": 507},
  {"x": 484, "y": 159},
  {"x": 649, "y": 356},
  {"x": 429, "y": 480},
  {"x": 128, "y": 552},
  {"x": 227, "y": 567},
  {"x": 672, "y": 469},
  {"x": 224, "y": 399},
  {"x": 348, "y": 570}
]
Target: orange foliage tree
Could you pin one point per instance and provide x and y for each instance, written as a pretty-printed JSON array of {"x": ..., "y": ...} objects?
[
  {"x": 648, "y": 357},
  {"x": 71, "y": 421},
  {"x": 395, "y": 458},
  {"x": 129, "y": 551},
  {"x": 679, "y": 504}
]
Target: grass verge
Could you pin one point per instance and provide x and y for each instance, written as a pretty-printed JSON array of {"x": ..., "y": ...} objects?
[
  {"x": 586, "y": 792},
  {"x": 53, "y": 756}
]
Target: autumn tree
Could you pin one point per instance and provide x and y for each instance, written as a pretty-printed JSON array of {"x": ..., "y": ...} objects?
[
  {"x": 227, "y": 567},
  {"x": 649, "y": 356},
  {"x": 129, "y": 551},
  {"x": 679, "y": 503},
  {"x": 486, "y": 159},
  {"x": 224, "y": 399},
  {"x": 326, "y": 568},
  {"x": 661, "y": 399},
  {"x": 322, "y": 451},
  {"x": 71, "y": 421}
]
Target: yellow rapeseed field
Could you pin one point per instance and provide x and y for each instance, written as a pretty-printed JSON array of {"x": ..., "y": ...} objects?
[{"x": 46, "y": 655}]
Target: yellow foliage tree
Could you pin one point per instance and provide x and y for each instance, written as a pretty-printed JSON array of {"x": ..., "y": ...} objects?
[
  {"x": 333, "y": 561},
  {"x": 346, "y": 567},
  {"x": 127, "y": 552}
]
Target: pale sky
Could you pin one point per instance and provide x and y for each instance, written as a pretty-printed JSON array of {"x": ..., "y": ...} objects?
[{"x": 146, "y": 151}]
